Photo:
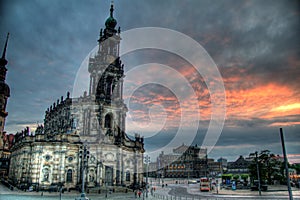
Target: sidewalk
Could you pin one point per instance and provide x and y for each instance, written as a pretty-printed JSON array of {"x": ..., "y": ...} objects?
[{"x": 274, "y": 191}]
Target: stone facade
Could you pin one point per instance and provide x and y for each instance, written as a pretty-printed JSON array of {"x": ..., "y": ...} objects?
[
  {"x": 40, "y": 160},
  {"x": 96, "y": 120}
]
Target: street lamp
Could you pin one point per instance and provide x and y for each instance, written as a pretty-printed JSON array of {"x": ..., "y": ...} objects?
[
  {"x": 147, "y": 161},
  {"x": 60, "y": 184},
  {"x": 84, "y": 154},
  {"x": 106, "y": 189}
]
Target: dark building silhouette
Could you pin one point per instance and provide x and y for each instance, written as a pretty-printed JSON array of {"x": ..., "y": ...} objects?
[{"x": 4, "y": 95}]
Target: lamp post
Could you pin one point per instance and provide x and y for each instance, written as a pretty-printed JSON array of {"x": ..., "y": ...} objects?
[
  {"x": 84, "y": 154},
  {"x": 147, "y": 161},
  {"x": 60, "y": 184},
  {"x": 106, "y": 189},
  {"x": 286, "y": 165}
]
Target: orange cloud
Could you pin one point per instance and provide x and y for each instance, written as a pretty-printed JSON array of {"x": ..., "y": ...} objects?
[
  {"x": 248, "y": 96},
  {"x": 265, "y": 102}
]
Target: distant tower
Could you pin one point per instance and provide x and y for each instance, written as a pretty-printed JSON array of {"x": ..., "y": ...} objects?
[{"x": 4, "y": 92}]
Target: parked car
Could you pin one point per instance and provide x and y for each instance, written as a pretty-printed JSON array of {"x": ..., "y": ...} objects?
[
  {"x": 30, "y": 189},
  {"x": 53, "y": 188},
  {"x": 192, "y": 182}
]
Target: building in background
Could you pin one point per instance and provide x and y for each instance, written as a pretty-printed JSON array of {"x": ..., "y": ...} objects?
[
  {"x": 214, "y": 168},
  {"x": 240, "y": 166},
  {"x": 96, "y": 120},
  {"x": 224, "y": 164},
  {"x": 184, "y": 162}
]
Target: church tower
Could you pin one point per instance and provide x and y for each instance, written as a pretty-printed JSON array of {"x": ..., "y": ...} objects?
[
  {"x": 4, "y": 92},
  {"x": 106, "y": 79}
]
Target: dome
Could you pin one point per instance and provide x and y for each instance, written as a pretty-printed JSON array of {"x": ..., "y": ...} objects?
[
  {"x": 111, "y": 23},
  {"x": 4, "y": 89}
]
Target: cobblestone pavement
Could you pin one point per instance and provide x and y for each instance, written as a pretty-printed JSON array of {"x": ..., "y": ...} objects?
[{"x": 7, "y": 194}]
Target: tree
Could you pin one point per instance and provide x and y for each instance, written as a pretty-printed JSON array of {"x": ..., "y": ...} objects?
[
  {"x": 236, "y": 177},
  {"x": 244, "y": 177},
  {"x": 296, "y": 167},
  {"x": 270, "y": 167}
]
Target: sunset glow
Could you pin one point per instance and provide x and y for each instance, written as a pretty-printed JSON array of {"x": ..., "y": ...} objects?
[{"x": 285, "y": 108}]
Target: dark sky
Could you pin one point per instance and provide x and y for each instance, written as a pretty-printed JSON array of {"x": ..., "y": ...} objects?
[{"x": 254, "y": 44}]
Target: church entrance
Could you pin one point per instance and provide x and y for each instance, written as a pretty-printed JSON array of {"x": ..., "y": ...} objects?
[{"x": 109, "y": 175}]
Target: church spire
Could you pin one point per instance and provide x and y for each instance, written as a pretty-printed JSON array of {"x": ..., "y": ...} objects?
[
  {"x": 111, "y": 22},
  {"x": 3, "y": 61},
  {"x": 111, "y": 9}
]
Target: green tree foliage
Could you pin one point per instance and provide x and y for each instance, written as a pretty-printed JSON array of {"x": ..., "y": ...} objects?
[
  {"x": 244, "y": 177},
  {"x": 236, "y": 177},
  {"x": 296, "y": 167},
  {"x": 270, "y": 167},
  {"x": 227, "y": 176}
]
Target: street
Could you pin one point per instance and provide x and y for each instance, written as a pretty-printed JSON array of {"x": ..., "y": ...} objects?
[{"x": 182, "y": 191}]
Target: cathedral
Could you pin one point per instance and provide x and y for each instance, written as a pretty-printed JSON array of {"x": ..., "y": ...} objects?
[{"x": 83, "y": 139}]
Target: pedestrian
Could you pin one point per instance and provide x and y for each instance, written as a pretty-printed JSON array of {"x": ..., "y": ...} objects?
[{"x": 139, "y": 193}]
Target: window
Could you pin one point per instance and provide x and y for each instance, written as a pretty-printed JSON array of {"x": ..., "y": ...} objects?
[
  {"x": 69, "y": 175},
  {"x": 127, "y": 176},
  {"x": 108, "y": 121},
  {"x": 70, "y": 159},
  {"x": 46, "y": 174},
  {"x": 47, "y": 157}
]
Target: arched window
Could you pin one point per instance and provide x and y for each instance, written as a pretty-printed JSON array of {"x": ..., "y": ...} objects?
[
  {"x": 128, "y": 176},
  {"x": 108, "y": 121},
  {"x": 46, "y": 174},
  {"x": 69, "y": 175}
]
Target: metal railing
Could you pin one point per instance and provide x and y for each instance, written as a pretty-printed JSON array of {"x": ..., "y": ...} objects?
[{"x": 179, "y": 197}]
